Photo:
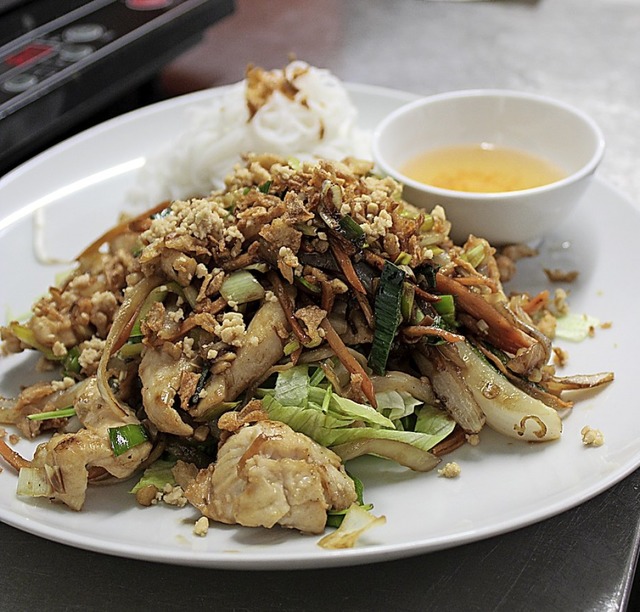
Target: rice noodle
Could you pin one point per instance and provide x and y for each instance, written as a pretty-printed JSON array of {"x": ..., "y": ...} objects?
[{"x": 320, "y": 122}]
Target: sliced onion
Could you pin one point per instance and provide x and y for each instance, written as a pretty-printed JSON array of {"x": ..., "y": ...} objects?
[
  {"x": 356, "y": 521},
  {"x": 121, "y": 324},
  {"x": 414, "y": 458}
]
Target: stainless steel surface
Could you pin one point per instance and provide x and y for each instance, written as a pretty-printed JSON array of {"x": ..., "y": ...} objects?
[{"x": 586, "y": 52}]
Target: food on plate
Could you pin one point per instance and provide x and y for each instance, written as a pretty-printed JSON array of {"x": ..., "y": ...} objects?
[
  {"x": 238, "y": 349},
  {"x": 303, "y": 308},
  {"x": 300, "y": 111}
]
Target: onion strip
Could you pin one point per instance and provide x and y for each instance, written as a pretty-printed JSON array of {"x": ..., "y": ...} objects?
[
  {"x": 118, "y": 229},
  {"x": 121, "y": 327},
  {"x": 348, "y": 360},
  {"x": 14, "y": 459}
]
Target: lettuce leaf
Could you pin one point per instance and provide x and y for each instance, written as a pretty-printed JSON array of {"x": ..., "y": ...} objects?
[
  {"x": 157, "y": 474},
  {"x": 331, "y": 419}
]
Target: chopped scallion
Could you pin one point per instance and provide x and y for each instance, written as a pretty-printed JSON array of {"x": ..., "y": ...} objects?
[
  {"x": 352, "y": 230},
  {"x": 446, "y": 308},
  {"x": 71, "y": 361},
  {"x": 62, "y": 413},
  {"x": 291, "y": 347},
  {"x": 241, "y": 287},
  {"x": 303, "y": 282},
  {"x": 408, "y": 299},
  {"x": 427, "y": 224},
  {"x": 125, "y": 437},
  {"x": 404, "y": 259},
  {"x": 264, "y": 188},
  {"x": 475, "y": 255},
  {"x": 388, "y": 315}
]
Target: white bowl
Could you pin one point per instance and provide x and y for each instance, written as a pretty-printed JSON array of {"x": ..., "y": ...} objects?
[{"x": 540, "y": 126}]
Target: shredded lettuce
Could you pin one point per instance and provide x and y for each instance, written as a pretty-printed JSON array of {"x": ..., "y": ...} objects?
[
  {"x": 157, "y": 474},
  {"x": 396, "y": 404},
  {"x": 330, "y": 419},
  {"x": 575, "y": 327}
]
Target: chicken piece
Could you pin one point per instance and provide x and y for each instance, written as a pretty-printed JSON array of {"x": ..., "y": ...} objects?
[
  {"x": 268, "y": 474},
  {"x": 67, "y": 458},
  {"x": 262, "y": 348},
  {"x": 161, "y": 374}
]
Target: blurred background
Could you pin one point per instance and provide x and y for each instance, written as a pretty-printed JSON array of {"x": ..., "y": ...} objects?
[{"x": 585, "y": 52}]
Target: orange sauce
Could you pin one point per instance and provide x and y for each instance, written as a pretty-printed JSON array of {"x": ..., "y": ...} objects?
[{"x": 482, "y": 168}]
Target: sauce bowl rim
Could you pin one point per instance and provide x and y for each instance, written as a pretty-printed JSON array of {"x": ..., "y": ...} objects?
[{"x": 585, "y": 170}]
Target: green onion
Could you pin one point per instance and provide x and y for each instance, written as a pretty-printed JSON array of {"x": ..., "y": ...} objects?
[
  {"x": 335, "y": 517},
  {"x": 408, "y": 299},
  {"x": 264, "y": 188},
  {"x": 307, "y": 285},
  {"x": 294, "y": 163},
  {"x": 446, "y": 308},
  {"x": 33, "y": 482},
  {"x": 156, "y": 295},
  {"x": 352, "y": 230},
  {"x": 291, "y": 347},
  {"x": 427, "y": 224},
  {"x": 429, "y": 275},
  {"x": 317, "y": 377},
  {"x": 71, "y": 361},
  {"x": 125, "y": 437},
  {"x": 404, "y": 259},
  {"x": 417, "y": 317},
  {"x": 241, "y": 287},
  {"x": 388, "y": 315},
  {"x": 191, "y": 295},
  {"x": 62, "y": 413},
  {"x": 27, "y": 336},
  {"x": 132, "y": 348},
  {"x": 407, "y": 213},
  {"x": 475, "y": 255}
]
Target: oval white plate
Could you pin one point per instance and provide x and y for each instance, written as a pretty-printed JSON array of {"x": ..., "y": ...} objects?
[{"x": 79, "y": 187}]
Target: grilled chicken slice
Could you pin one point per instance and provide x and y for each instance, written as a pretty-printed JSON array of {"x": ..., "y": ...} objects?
[
  {"x": 262, "y": 349},
  {"x": 160, "y": 374},
  {"x": 66, "y": 459},
  {"x": 268, "y": 474}
]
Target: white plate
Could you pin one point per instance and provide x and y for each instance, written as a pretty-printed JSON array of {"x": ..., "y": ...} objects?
[{"x": 80, "y": 186}]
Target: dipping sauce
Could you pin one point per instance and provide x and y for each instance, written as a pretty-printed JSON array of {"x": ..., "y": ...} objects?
[{"x": 482, "y": 168}]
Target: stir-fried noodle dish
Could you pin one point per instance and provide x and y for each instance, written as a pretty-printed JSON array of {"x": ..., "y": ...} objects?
[{"x": 235, "y": 351}]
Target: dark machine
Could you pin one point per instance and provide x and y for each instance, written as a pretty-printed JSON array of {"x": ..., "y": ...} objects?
[{"x": 64, "y": 61}]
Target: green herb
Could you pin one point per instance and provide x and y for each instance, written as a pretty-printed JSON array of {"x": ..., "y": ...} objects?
[
  {"x": 304, "y": 283},
  {"x": 71, "y": 361},
  {"x": 264, "y": 188},
  {"x": 388, "y": 315},
  {"x": 475, "y": 255},
  {"x": 291, "y": 347},
  {"x": 352, "y": 230},
  {"x": 62, "y": 413},
  {"x": 241, "y": 287},
  {"x": 446, "y": 308},
  {"x": 335, "y": 517},
  {"x": 403, "y": 259},
  {"x": 125, "y": 437},
  {"x": 408, "y": 300}
]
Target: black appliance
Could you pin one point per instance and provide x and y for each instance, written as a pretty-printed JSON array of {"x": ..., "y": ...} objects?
[{"x": 62, "y": 61}]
